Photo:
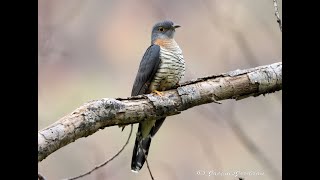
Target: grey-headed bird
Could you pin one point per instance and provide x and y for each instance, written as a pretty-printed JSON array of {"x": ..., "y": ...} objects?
[{"x": 161, "y": 68}]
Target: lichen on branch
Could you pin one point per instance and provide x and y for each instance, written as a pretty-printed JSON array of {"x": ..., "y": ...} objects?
[{"x": 98, "y": 114}]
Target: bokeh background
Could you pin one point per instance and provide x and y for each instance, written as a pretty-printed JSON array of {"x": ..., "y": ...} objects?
[{"x": 91, "y": 49}]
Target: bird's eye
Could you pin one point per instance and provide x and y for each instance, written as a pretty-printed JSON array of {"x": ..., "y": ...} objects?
[{"x": 161, "y": 29}]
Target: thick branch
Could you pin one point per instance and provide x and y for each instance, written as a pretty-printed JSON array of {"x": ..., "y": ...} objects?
[
  {"x": 98, "y": 114},
  {"x": 277, "y": 14}
]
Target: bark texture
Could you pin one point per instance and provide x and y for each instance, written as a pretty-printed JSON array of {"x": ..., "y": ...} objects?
[{"x": 98, "y": 114}]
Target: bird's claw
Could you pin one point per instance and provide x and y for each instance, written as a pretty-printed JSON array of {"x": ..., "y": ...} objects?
[
  {"x": 158, "y": 92},
  {"x": 177, "y": 85}
]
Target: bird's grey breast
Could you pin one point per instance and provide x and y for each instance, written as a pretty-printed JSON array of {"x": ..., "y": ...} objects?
[{"x": 171, "y": 68}]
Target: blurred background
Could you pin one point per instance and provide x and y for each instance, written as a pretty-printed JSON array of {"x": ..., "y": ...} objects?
[{"x": 92, "y": 49}]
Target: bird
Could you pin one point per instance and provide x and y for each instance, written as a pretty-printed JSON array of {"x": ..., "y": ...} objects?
[{"x": 161, "y": 68}]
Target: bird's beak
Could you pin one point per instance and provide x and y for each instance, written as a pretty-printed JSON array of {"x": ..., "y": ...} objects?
[{"x": 176, "y": 26}]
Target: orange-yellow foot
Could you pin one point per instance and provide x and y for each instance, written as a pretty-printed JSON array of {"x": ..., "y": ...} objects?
[{"x": 158, "y": 92}]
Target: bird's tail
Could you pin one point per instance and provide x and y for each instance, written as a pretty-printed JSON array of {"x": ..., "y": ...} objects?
[
  {"x": 140, "y": 151},
  {"x": 141, "y": 146}
]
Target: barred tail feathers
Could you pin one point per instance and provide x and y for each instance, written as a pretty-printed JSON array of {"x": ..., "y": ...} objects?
[
  {"x": 140, "y": 151},
  {"x": 142, "y": 144}
]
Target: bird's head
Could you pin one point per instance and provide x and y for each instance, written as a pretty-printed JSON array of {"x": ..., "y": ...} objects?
[{"x": 163, "y": 30}]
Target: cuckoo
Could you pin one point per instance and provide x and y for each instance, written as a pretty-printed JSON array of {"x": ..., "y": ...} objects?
[{"x": 161, "y": 68}]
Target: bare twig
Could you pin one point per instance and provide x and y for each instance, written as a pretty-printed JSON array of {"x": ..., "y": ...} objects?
[
  {"x": 101, "y": 165},
  {"x": 277, "y": 14},
  {"x": 149, "y": 169},
  {"x": 145, "y": 156},
  {"x": 40, "y": 177},
  {"x": 98, "y": 114}
]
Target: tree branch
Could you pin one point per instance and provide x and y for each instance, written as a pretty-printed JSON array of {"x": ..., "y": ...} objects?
[
  {"x": 98, "y": 114},
  {"x": 277, "y": 14}
]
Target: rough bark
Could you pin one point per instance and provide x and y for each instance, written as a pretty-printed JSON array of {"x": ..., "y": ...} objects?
[
  {"x": 275, "y": 4},
  {"x": 98, "y": 114}
]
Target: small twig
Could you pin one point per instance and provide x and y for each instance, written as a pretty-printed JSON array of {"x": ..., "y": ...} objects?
[
  {"x": 40, "y": 177},
  {"x": 277, "y": 14},
  {"x": 215, "y": 101},
  {"x": 99, "y": 166},
  {"x": 149, "y": 169},
  {"x": 145, "y": 156}
]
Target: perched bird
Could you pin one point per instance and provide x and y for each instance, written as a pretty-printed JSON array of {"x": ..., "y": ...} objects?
[{"x": 161, "y": 68}]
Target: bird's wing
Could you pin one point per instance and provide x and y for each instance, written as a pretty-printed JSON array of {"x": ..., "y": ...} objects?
[{"x": 147, "y": 70}]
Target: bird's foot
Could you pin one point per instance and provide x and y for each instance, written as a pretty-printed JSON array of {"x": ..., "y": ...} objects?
[
  {"x": 158, "y": 92},
  {"x": 177, "y": 85}
]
